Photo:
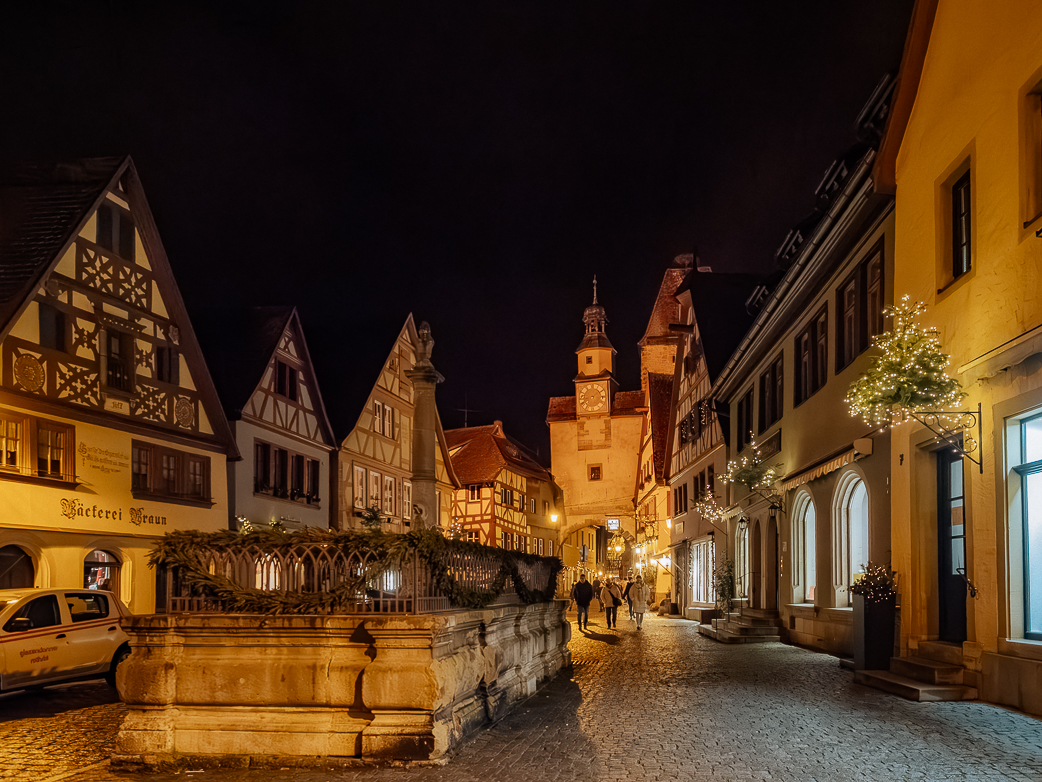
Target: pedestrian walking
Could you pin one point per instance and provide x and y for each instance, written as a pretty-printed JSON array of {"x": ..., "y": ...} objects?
[
  {"x": 597, "y": 592},
  {"x": 626, "y": 595},
  {"x": 582, "y": 596},
  {"x": 611, "y": 596},
  {"x": 640, "y": 593}
]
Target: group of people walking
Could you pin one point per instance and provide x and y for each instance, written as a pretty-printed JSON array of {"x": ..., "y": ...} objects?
[{"x": 610, "y": 595}]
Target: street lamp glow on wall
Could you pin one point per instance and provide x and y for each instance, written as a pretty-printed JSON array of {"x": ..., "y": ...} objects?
[{"x": 553, "y": 518}]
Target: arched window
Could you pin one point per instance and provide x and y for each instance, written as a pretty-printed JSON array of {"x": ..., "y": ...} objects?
[
  {"x": 16, "y": 568},
  {"x": 804, "y": 571},
  {"x": 101, "y": 571},
  {"x": 850, "y": 535},
  {"x": 741, "y": 561}
]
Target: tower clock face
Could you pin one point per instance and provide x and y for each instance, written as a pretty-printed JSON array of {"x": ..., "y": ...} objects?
[{"x": 591, "y": 398}]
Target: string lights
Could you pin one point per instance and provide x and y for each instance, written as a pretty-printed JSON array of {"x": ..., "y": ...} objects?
[{"x": 909, "y": 374}]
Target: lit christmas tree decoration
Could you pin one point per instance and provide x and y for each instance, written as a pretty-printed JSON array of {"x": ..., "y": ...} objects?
[{"x": 909, "y": 374}]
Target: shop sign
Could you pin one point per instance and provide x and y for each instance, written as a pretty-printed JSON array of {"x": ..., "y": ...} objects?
[{"x": 72, "y": 508}]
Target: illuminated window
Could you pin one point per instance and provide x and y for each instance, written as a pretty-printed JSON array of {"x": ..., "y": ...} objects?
[
  {"x": 850, "y": 553},
  {"x": 595, "y": 472},
  {"x": 1026, "y": 447},
  {"x": 804, "y": 577},
  {"x": 36, "y": 447},
  {"x": 359, "y": 487}
]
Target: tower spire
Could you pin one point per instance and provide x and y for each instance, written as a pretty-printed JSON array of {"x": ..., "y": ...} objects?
[{"x": 595, "y": 289}]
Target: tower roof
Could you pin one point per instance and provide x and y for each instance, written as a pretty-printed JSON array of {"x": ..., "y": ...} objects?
[{"x": 595, "y": 320}]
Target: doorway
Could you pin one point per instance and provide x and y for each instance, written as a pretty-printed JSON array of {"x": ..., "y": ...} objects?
[
  {"x": 16, "y": 568},
  {"x": 951, "y": 548}
]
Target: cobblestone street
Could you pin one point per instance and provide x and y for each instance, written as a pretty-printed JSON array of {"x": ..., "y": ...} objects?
[{"x": 661, "y": 704}]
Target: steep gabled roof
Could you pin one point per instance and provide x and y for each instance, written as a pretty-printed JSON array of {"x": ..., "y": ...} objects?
[
  {"x": 43, "y": 208},
  {"x": 666, "y": 309},
  {"x": 240, "y": 342},
  {"x": 660, "y": 397},
  {"x": 718, "y": 301},
  {"x": 479, "y": 453}
]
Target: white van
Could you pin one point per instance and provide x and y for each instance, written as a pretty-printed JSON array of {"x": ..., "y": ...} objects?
[{"x": 59, "y": 635}]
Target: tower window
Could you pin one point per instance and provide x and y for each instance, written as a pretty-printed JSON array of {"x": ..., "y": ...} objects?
[
  {"x": 595, "y": 472},
  {"x": 589, "y": 359}
]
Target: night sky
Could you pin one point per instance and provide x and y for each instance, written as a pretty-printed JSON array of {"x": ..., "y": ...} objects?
[{"x": 475, "y": 164}]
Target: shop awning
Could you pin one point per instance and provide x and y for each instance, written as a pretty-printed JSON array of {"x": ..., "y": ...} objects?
[{"x": 808, "y": 475}]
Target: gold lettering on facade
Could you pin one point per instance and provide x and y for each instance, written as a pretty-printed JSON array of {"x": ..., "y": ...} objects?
[{"x": 102, "y": 460}]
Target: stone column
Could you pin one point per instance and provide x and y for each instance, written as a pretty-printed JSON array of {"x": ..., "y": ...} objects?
[{"x": 424, "y": 378}]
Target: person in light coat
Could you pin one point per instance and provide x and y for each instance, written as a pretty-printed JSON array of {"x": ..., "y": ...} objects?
[
  {"x": 640, "y": 594},
  {"x": 611, "y": 597}
]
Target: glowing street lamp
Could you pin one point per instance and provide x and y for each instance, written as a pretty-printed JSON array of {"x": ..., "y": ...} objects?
[{"x": 553, "y": 518}]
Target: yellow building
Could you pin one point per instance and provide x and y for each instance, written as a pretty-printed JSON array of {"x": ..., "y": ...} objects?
[
  {"x": 595, "y": 439},
  {"x": 376, "y": 456},
  {"x": 506, "y": 498},
  {"x": 963, "y": 152},
  {"x": 111, "y": 433}
]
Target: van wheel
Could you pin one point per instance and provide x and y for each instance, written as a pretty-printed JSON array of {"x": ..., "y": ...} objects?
[{"x": 121, "y": 654}]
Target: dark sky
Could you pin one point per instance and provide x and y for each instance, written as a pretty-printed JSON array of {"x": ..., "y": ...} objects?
[{"x": 475, "y": 164}]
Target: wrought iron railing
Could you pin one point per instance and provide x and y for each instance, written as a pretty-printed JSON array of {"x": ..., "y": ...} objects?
[{"x": 411, "y": 587}]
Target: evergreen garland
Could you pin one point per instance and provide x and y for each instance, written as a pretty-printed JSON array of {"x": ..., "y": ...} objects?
[
  {"x": 189, "y": 552},
  {"x": 909, "y": 375}
]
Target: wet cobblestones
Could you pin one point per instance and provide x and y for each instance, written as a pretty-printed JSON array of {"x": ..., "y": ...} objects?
[{"x": 662, "y": 704}]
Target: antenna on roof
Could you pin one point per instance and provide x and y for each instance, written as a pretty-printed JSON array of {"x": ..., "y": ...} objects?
[{"x": 465, "y": 410}]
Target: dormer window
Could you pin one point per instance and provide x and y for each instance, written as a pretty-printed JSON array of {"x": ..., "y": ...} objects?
[{"x": 116, "y": 230}]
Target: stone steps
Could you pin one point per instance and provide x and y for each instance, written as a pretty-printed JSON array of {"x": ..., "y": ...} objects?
[
  {"x": 934, "y": 673},
  {"x": 913, "y": 689},
  {"x": 743, "y": 627}
]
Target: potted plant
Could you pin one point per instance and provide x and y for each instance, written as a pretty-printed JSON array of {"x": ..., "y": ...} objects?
[{"x": 875, "y": 604}]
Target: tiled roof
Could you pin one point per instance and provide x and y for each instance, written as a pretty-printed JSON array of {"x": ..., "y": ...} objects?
[
  {"x": 41, "y": 208},
  {"x": 660, "y": 396},
  {"x": 486, "y": 450},
  {"x": 628, "y": 403},
  {"x": 562, "y": 408},
  {"x": 666, "y": 309},
  {"x": 719, "y": 304}
]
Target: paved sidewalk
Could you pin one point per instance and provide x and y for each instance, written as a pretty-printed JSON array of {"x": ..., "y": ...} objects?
[{"x": 668, "y": 704}]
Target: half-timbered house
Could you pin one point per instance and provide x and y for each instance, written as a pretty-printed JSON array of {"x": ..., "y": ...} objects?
[
  {"x": 713, "y": 318},
  {"x": 506, "y": 498},
  {"x": 111, "y": 432},
  {"x": 267, "y": 383},
  {"x": 376, "y": 456}
]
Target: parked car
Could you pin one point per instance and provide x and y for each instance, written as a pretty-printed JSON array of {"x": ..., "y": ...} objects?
[{"x": 59, "y": 635}]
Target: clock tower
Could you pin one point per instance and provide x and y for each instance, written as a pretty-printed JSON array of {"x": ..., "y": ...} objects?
[{"x": 595, "y": 384}]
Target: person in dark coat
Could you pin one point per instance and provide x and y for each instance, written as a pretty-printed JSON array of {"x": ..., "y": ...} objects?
[
  {"x": 626, "y": 595},
  {"x": 597, "y": 592},
  {"x": 582, "y": 596}
]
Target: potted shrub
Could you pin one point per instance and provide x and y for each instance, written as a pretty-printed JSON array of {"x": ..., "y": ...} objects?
[{"x": 875, "y": 604}]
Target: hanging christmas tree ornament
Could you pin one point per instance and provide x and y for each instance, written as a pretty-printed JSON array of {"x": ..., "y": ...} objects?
[{"x": 909, "y": 376}]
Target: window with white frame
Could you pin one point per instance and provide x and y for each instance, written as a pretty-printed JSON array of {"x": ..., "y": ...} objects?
[
  {"x": 741, "y": 561},
  {"x": 406, "y": 500},
  {"x": 359, "y": 486},
  {"x": 804, "y": 580},
  {"x": 378, "y": 416},
  {"x": 389, "y": 495},
  {"x": 1026, "y": 526},
  {"x": 849, "y": 535},
  {"x": 701, "y": 572},
  {"x": 374, "y": 489}
]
